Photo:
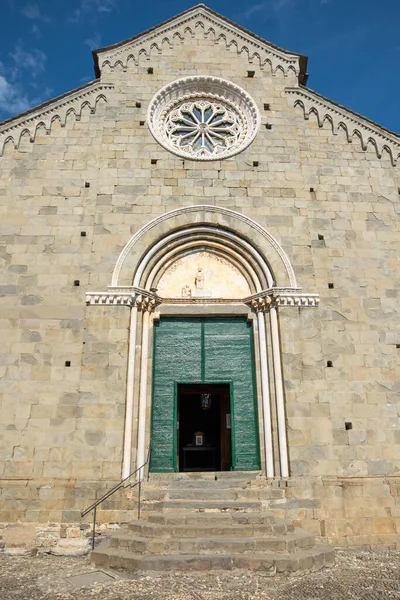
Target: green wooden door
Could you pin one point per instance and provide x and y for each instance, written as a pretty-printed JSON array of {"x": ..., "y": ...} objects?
[{"x": 207, "y": 350}]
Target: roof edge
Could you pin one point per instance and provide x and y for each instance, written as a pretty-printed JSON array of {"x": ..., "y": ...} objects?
[
  {"x": 303, "y": 60},
  {"x": 340, "y": 118},
  {"x": 47, "y": 103},
  {"x": 57, "y": 109},
  {"x": 349, "y": 110}
]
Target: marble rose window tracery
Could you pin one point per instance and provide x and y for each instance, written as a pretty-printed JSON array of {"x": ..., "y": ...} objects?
[
  {"x": 202, "y": 128},
  {"x": 203, "y": 118}
]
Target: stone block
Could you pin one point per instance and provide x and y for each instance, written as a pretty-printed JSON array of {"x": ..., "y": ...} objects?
[
  {"x": 71, "y": 547},
  {"x": 19, "y": 539}
]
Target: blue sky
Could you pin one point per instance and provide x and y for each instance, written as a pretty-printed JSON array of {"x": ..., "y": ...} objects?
[{"x": 353, "y": 45}]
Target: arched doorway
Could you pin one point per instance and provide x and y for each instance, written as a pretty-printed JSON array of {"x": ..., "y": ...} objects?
[
  {"x": 216, "y": 269},
  {"x": 204, "y": 405},
  {"x": 193, "y": 271}
]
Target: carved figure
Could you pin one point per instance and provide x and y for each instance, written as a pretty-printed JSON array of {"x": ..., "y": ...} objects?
[
  {"x": 199, "y": 279},
  {"x": 186, "y": 292}
]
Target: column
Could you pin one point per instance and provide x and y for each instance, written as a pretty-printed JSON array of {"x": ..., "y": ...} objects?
[
  {"x": 280, "y": 399},
  {"x": 130, "y": 386},
  {"x": 266, "y": 400},
  {"x": 143, "y": 392}
]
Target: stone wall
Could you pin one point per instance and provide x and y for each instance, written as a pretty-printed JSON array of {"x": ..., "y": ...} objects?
[
  {"x": 346, "y": 511},
  {"x": 63, "y": 425},
  {"x": 340, "y": 511}
]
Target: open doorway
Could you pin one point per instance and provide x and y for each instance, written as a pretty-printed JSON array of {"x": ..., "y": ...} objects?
[{"x": 204, "y": 427}]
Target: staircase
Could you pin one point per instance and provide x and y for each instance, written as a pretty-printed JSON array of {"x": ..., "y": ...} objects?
[{"x": 207, "y": 521}]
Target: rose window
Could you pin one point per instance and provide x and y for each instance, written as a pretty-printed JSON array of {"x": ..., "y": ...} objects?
[
  {"x": 203, "y": 118},
  {"x": 203, "y": 128}
]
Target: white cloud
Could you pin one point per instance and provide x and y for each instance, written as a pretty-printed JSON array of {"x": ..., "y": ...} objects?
[
  {"x": 33, "y": 61},
  {"x": 12, "y": 98},
  {"x": 268, "y": 7},
  {"x": 254, "y": 9},
  {"x": 32, "y": 11},
  {"x": 21, "y": 84},
  {"x": 94, "y": 41},
  {"x": 105, "y": 5},
  {"x": 89, "y": 7}
]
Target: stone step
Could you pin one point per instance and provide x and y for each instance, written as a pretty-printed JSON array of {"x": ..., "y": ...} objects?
[
  {"x": 209, "y": 529},
  {"x": 206, "y": 494},
  {"x": 211, "y": 518},
  {"x": 288, "y": 543},
  {"x": 268, "y": 562},
  {"x": 202, "y": 505},
  {"x": 267, "y": 493},
  {"x": 206, "y": 485},
  {"x": 221, "y": 494},
  {"x": 169, "y": 478},
  {"x": 311, "y": 559},
  {"x": 199, "y": 521}
]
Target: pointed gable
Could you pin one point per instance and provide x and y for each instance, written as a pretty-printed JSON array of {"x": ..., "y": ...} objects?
[
  {"x": 225, "y": 34},
  {"x": 212, "y": 24}
]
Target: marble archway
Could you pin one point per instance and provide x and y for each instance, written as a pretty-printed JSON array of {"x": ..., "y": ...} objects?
[{"x": 240, "y": 264}]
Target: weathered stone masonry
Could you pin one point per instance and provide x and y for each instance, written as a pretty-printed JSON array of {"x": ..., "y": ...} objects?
[{"x": 82, "y": 174}]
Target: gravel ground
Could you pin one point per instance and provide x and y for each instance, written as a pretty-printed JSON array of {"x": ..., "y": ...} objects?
[{"x": 366, "y": 575}]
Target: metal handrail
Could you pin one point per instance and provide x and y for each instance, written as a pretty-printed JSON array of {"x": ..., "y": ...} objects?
[{"x": 112, "y": 491}]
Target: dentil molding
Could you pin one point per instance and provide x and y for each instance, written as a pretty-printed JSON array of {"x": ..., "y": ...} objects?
[
  {"x": 341, "y": 118},
  {"x": 124, "y": 296},
  {"x": 282, "y": 297},
  {"x": 147, "y": 301},
  {"x": 46, "y": 114}
]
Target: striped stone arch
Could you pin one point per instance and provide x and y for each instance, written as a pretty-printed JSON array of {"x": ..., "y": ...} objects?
[{"x": 238, "y": 236}]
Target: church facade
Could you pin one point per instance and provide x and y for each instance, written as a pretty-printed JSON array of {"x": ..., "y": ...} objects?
[{"x": 200, "y": 273}]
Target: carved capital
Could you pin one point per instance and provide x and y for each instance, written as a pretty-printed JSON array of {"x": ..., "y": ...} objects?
[
  {"x": 262, "y": 303},
  {"x": 145, "y": 303}
]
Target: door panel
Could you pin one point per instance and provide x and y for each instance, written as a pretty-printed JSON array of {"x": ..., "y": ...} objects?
[
  {"x": 226, "y": 442},
  {"x": 208, "y": 350},
  {"x": 228, "y": 355},
  {"x": 177, "y": 357}
]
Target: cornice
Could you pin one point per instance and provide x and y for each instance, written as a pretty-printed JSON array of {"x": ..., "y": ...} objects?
[
  {"x": 341, "y": 118},
  {"x": 58, "y": 109},
  {"x": 201, "y": 301},
  {"x": 144, "y": 300},
  {"x": 213, "y": 25},
  {"x": 282, "y": 297},
  {"x": 124, "y": 296}
]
